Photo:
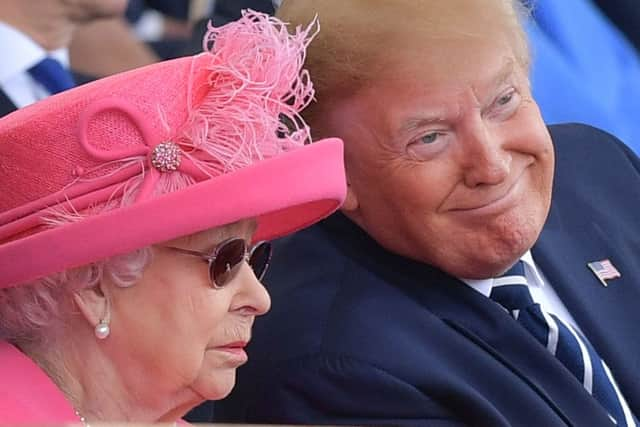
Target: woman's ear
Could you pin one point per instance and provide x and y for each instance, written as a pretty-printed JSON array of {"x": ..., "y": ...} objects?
[{"x": 93, "y": 303}]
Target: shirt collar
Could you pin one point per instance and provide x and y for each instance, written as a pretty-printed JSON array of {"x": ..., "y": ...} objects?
[
  {"x": 530, "y": 270},
  {"x": 23, "y": 52}
]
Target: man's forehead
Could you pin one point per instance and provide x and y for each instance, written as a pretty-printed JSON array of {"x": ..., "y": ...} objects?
[
  {"x": 415, "y": 101},
  {"x": 444, "y": 103},
  {"x": 443, "y": 73}
]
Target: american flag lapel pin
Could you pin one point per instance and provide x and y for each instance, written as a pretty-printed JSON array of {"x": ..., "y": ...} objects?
[{"x": 604, "y": 270}]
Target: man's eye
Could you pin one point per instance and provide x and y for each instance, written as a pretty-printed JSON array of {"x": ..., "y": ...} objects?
[
  {"x": 505, "y": 99},
  {"x": 429, "y": 138},
  {"x": 504, "y": 106}
]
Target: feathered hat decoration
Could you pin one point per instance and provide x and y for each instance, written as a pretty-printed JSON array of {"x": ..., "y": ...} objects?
[{"x": 167, "y": 150}]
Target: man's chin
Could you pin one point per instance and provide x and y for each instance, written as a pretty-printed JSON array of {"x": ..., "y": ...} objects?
[
  {"x": 487, "y": 268},
  {"x": 485, "y": 263}
]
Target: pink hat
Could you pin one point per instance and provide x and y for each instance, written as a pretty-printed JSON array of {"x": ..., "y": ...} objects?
[{"x": 165, "y": 151}]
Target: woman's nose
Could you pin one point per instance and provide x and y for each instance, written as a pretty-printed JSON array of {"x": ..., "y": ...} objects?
[{"x": 252, "y": 296}]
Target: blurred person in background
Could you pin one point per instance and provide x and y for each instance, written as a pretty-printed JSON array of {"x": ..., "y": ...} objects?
[
  {"x": 34, "y": 40},
  {"x": 583, "y": 68},
  {"x": 168, "y": 26},
  {"x": 134, "y": 214},
  {"x": 148, "y": 31},
  {"x": 229, "y": 10},
  {"x": 152, "y": 30},
  {"x": 223, "y": 11},
  {"x": 626, "y": 15}
]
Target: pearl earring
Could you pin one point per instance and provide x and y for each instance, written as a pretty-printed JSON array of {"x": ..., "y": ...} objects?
[{"x": 102, "y": 329}]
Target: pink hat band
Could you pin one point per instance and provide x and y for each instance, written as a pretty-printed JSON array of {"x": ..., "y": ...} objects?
[{"x": 165, "y": 151}]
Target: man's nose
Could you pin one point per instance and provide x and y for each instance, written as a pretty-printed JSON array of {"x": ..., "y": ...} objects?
[{"x": 483, "y": 158}]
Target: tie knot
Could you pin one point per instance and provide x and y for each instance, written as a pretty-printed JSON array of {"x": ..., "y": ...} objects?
[
  {"x": 50, "y": 73},
  {"x": 511, "y": 290}
]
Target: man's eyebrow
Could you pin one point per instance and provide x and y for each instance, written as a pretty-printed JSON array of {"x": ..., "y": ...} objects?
[
  {"x": 414, "y": 123},
  {"x": 502, "y": 75}
]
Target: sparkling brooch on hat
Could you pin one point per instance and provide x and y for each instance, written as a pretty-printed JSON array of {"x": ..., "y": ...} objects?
[{"x": 166, "y": 156}]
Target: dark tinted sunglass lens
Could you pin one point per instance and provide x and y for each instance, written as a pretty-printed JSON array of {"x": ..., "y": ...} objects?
[
  {"x": 228, "y": 258},
  {"x": 259, "y": 259}
]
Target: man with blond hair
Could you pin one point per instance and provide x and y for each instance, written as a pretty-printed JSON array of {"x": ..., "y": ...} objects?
[{"x": 483, "y": 270}]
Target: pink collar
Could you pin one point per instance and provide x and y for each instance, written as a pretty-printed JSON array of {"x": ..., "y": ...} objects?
[{"x": 27, "y": 395}]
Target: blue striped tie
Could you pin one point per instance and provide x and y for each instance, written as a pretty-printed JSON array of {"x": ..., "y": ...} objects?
[
  {"x": 563, "y": 341},
  {"x": 52, "y": 75}
]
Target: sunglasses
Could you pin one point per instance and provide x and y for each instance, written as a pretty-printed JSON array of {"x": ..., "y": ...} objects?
[{"x": 227, "y": 257}]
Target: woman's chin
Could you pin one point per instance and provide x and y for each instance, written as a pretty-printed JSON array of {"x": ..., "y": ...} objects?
[{"x": 215, "y": 385}]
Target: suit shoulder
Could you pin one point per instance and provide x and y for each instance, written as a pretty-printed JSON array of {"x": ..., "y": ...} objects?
[
  {"x": 306, "y": 280},
  {"x": 323, "y": 297},
  {"x": 585, "y": 153},
  {"x": 584, "y": 138}
]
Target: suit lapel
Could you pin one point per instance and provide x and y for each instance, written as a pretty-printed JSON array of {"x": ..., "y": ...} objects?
[
  {"x": 608, "y": 316},
  {"x": 489, "y": 327}
]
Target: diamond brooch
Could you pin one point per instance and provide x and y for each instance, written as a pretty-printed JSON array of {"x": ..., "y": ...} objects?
[{"x": 166, "y": 156}]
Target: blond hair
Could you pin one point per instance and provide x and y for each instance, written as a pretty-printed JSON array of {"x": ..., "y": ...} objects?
[{"x": 355, "y": 37}]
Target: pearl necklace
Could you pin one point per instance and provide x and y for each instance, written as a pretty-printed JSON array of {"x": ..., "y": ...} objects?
[{"x": 83, "y": 420}]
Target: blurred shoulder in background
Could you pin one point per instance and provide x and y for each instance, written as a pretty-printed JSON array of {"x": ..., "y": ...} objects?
[
  {"x": 584, "y": 69},
  {"x": 34, "y": 40},
  {"x": 625, "y": 14}
]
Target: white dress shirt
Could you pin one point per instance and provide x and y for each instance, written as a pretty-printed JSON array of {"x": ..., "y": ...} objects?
[
  {"x": 541, "y": 290},
  {"x": 19, "y": 53}
]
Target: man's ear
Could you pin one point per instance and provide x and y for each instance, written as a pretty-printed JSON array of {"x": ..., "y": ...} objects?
[
  {"x": 350, "y": 204},
  {"x": 93, "y": 303}
]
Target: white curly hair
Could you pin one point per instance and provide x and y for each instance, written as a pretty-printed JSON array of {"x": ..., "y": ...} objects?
[{"x": 33, "y": 313}]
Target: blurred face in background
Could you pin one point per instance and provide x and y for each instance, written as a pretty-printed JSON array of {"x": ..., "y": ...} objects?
[
  {"x": 447, "y": 156},
  {"x": 88, "y": 10},
  {"x": 50, "y": 23}
]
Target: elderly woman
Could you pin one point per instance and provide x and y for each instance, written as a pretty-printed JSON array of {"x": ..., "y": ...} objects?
[{"x": 133, "y": 215}]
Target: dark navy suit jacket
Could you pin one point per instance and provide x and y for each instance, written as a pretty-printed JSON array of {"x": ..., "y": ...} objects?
[
  {"x": 358, "y": 335},
  {"x": 6, "y": 105}
]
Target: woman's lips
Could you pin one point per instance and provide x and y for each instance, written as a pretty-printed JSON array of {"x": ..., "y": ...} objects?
[
  {"x": 235, "y": 351},
  {"x": 234, "y": 347}
]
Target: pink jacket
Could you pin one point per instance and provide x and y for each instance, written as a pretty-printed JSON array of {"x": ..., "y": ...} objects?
[{"x": 27, "y": 395}]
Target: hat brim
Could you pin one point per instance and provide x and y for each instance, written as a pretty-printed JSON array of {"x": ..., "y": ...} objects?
[{"x": 284, "y": 193}]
